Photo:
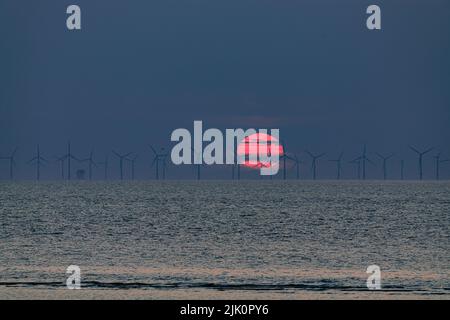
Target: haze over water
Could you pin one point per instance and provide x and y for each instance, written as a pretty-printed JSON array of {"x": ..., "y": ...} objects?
[{"x": 225, "y": 239}]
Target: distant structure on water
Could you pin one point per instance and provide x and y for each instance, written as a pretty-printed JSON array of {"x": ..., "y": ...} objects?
[{"x": 80, "y": 173}]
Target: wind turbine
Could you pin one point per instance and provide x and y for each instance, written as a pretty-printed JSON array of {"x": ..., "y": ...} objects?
[
  {"x": 12, "y": 163},
  {"x": 338, "y": 162},
  {"x": 38, "y": 161},
  {"x": 234, "y": 166},
  {"x": 358, "y": 162},
  {"x": 314, "y": 162},
  {"x": 69, "y": 156},
  {"x": 105, "y": 167},
  {"x": 284, "y": 156},
  {"x": 198, "y": 166},
  {"x": 421, "y": 154},
  {"x": 385, "y": 159},
  {"x": 91, "y": 163},
  {"x": 132, "y": 160},
  {"x": 363, "y": 158},
  {"x": 61, "y": 159},
  {"x": 159, "y": 157},
  {"x": 198, "y": 171},
  {"x": 121, "y": 158},
  {"x": 297, "y": 162},
  {"x": 438, "y": 164}
]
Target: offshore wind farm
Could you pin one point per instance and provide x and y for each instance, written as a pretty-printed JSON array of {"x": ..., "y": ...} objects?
[{"x": 433, "y": 167}]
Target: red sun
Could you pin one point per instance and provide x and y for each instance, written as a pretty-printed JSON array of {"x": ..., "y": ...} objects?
[{"x": 255, "y": 144}]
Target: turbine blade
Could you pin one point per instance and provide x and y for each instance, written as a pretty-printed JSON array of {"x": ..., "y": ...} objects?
[
  {"x": 288, "y": 157},
  {"x": 31, "y": 160},
  {"x": 414, "y": 149},
  {"x": 116, "y": 153},
  {"x": 153, "y": 149},
  {"x": 283, "y": 145}
]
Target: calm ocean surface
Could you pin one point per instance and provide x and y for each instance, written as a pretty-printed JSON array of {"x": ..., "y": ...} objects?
[{"x": 219, "y": 239}]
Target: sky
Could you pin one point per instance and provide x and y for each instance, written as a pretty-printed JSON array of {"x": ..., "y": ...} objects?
[{"x": 140, "y": 69}]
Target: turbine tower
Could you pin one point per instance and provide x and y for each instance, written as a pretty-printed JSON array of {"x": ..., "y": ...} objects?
[
  {"x": 438, "y": 164},
  {"x": 363, "y": 158},
  {"x": 421, "y": 154},
  {"x": 234, "y": 167},
  {"x": 314, "y": 162},
  {"x": 385, "y": 159},
  {"x": 159, "y": 157},
  {"x": 91, "y": 163},
  {"x": 105, "y": 167},
  {"x": 198, "y": 167},
  {"x": 12, "y": 163},
  {"x": 238, "y": 171},
  {"x": 297, "y": 162},
  {"x": 121, "y": 158},
  {"x": 133, "y": 161},
  {"x": 338, "y": 162},
  {"x": 38, "y": 161},
  {"x": 283, "y": 156},
  {"x": 198, "y": 171},
  {"x": 62, "y": 160},
  {"x": 358, "y": 162},
  {"x": 69, "y": 156}
]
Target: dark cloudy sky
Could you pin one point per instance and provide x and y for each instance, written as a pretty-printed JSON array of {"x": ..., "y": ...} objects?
[{"x": 140, "y": 69}]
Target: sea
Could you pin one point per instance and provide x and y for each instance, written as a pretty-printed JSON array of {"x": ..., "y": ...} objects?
[{"x": 225, "y": 239}]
